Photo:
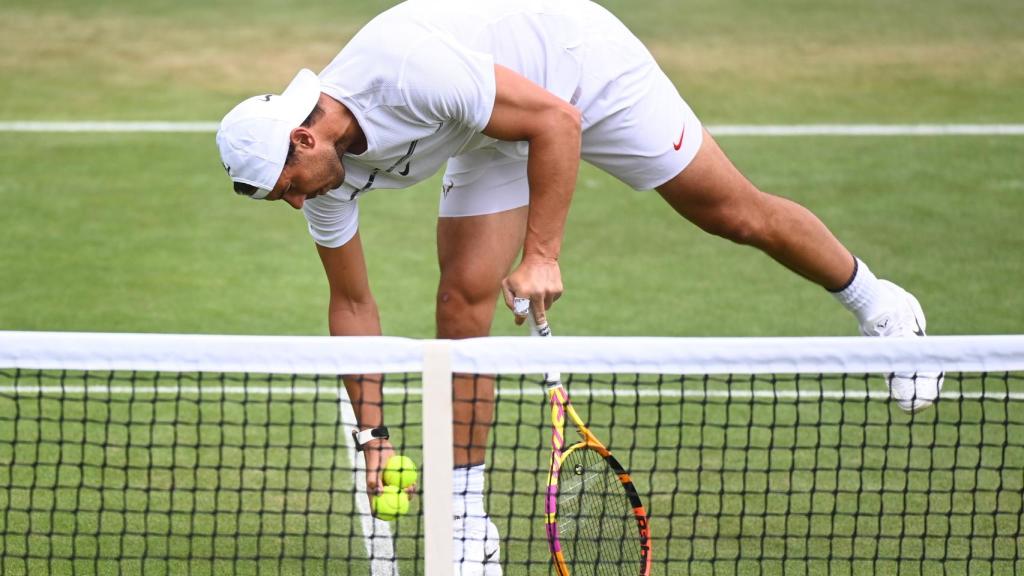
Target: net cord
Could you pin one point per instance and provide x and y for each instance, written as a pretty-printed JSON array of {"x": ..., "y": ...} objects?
[{"x": 508, "y": 355}]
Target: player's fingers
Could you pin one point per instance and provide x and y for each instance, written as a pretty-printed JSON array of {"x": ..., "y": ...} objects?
[
  {"x": 549, "y": 301},
  {"x": 374, "y": 458},
  {"x": 539, "y": 311},
  {"x": 506, "y": 291},
  {"x": 372, "y": 483}
]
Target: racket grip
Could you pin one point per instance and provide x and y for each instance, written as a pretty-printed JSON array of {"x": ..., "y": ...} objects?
[{"x": 542, "y": 329}]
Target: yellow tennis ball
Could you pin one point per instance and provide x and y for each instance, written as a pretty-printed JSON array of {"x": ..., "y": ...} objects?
[
  {"x": 390, "y": 504},
  {"x": 400, "y": 471}
]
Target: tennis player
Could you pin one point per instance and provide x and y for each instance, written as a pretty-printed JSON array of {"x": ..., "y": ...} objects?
[{"x": 511, "y": 94}]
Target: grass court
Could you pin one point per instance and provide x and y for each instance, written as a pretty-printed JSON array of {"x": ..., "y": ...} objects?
[{"x": 139, "y": 232}]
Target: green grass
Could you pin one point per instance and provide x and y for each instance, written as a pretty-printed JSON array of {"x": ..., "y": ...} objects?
[
  {"x": 140, "y": 233},
  {"x": 735, "y": 60}
]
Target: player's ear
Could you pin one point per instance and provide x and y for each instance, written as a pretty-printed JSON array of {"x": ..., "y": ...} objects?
[{"x": 301, "y": 137}]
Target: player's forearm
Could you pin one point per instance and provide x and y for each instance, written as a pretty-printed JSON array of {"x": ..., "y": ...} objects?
[
  {"x": 365, "y": 393},
  {"x": 551, "y": 171},
  {"x": 348, "y": 318}
]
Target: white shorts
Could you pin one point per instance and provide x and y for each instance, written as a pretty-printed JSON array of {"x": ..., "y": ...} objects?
[{"x": 644, "y": 139}]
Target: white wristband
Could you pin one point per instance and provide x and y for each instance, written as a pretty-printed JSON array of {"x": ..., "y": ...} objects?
[{"x": 361, "y": 437}]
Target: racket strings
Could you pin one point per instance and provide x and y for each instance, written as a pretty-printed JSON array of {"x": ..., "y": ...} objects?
[{"x": 597, "y": 527}]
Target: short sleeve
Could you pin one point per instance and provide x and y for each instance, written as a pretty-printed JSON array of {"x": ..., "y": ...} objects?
[
  {"x": 332, "y": 221},
  {"x": 446, "y": 81}
]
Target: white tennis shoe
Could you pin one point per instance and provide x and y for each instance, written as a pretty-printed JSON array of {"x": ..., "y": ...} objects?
[
  {"x": 477, "y": 551},
  {"x": 913, "y": 391}
]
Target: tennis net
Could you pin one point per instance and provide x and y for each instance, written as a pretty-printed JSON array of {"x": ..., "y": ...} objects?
[{"x": 150, "y": 454}]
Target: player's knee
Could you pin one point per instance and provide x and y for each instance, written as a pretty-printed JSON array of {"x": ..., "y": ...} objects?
[{"x": 464, "y": 311}]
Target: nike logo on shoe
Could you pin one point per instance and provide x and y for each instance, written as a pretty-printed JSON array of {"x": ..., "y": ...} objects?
[
  {"x": 678, "y": 145},
  {"x": 488, "y": 557}
]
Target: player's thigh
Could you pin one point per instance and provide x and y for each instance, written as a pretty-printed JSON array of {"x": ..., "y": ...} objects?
[
  {"x": 480, "y": 230},
  {"x": 476, "y": 252},
  {"x": 711, "y": 191}
]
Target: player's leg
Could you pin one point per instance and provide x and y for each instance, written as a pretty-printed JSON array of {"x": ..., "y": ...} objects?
[
  {"x": 480, "y": 230},
  {"x": 474, "y": 253},
  {"x": 714, "y": 195},
  {"x": 479, "y": 234},
  {"x": 666, "y": 148}
]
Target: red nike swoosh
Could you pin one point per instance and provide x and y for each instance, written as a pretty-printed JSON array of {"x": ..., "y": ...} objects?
[{"x": 678, "y": 145}]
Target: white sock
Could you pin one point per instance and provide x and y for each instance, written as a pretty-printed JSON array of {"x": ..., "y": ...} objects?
[
  {"x": 468, "y": 492},
  {"x": 864, "y": 295}
]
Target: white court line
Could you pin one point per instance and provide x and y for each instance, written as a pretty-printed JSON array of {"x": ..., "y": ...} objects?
[
  {"x": 168, "y": 127},
  {"x": 118, "y": 127},
  {"x": 737, "y": 394},
  {"x": 869, "y": 130}
]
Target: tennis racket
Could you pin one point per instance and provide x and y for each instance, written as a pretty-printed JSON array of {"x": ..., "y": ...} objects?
[{"x": 594, "y": 519}]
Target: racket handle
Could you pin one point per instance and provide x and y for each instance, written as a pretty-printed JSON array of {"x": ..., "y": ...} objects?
[
  {"x": 542, "y": 329},
  {"x": 552, "y": 379}
]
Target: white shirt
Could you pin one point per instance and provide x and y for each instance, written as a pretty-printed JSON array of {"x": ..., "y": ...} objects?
[{"x": 419, "y": 79}]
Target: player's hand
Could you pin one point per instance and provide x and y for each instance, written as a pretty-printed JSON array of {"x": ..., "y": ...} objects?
[
  {"x": 376, "y": 453},
  {"x": 537, "y": 279}
]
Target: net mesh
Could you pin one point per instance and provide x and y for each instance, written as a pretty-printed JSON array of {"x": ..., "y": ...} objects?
[
  {"x": 794, "y": 474},
  {"x": 130, "y": 472}
]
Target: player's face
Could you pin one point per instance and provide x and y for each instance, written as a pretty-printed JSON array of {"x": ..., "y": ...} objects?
[{"x": 313, "y": 172}]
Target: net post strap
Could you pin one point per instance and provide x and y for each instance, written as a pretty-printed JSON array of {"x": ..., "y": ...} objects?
[{"x": 438, "y": 458}]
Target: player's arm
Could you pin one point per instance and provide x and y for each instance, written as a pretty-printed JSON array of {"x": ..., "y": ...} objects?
[
  {"x": 524, "y": 111},
  {"x": 353, "y": 312}
]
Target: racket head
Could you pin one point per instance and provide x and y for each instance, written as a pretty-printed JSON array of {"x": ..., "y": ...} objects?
[{"x": 599, "y": 524}]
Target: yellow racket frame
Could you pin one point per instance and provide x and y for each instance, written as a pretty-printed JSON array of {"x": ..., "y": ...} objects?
[{"x": 558, "y": 400}]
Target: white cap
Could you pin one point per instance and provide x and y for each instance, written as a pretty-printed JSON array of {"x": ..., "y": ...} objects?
[{"x": 254, "y": 137}]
